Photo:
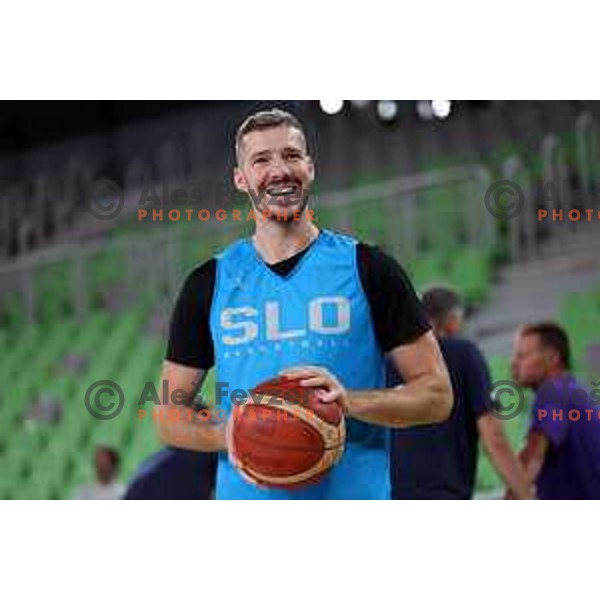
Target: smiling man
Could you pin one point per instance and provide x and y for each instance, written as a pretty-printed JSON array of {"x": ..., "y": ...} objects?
[{"x": 319, "y": 306}]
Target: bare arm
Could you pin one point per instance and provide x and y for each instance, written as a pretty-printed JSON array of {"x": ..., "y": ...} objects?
[
  {"x": 533, "y": 454},
  {"x": 175, "y": 430},
  {"x": 426, "y": 397},
  {"x": 504, "y": 460}
]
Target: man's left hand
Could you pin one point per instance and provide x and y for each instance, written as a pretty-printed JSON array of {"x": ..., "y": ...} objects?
[{"x": 313, "y": 376}]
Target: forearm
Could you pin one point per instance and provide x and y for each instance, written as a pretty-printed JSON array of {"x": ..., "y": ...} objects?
[
  {"x": 426, "y": 399},
  {"x": 533, "y": 454},
  {"x": 190, "y": 434},
  {"x": 178, "y": 424},
  {"x": 509, "y": 468},
  {"x": 532, "y": 465}
]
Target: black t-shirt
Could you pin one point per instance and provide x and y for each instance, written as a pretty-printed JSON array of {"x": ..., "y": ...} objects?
[
  {"x": 439, "y": 461},
  {"x": 397, "y": 314}
]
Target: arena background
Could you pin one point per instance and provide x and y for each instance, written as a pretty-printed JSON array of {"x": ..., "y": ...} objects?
[{"x": 452, "y": 189}]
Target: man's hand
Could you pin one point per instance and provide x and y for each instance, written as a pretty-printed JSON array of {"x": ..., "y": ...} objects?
[
  {"x": 498, "y": 448},
  {"x": 426, "y": 397},
  {"x": 509, "y": 495},
  {"x": 313, "y": 376}
]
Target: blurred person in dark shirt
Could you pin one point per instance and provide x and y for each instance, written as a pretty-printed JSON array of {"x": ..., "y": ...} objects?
[
  {"x": 175, "y": 474},
  {"x": 440, "y": 461}
]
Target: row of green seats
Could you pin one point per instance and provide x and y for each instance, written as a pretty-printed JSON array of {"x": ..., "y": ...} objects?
[
  {"x": 468, "y": 270},
  {"x": 580, "y": 315},
  {"x": 118, "y": 356}
]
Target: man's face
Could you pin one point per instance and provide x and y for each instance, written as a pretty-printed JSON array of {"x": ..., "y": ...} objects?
[
  {"x": 454, "y": 322},
  {"x": 275, "y": 170},
  {"x": 530, "y": 361}
]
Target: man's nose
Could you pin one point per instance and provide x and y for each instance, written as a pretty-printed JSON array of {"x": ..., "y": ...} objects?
[{"x": 278, "y": 167}]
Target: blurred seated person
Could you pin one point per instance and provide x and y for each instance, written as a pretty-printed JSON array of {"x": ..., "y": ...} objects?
[{"x": 107, "y": 487}]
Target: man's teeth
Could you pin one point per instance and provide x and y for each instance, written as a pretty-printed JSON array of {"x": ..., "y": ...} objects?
[{"x": 281, "y": 191}]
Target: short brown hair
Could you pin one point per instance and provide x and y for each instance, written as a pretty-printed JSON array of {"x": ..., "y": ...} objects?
[
  {"x": 439, "y": 301},
  {"x": 553, "y": 336},
  {"x": 112, "y": 454},
  {"x": 265, "y": 119}
]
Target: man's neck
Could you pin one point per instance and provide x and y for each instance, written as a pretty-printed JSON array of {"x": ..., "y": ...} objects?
[
  {"x": 440, "y": 332},
  {"x": 557, "y": 374},
  {"x": 105, "y": 482},
  {"x": 276, "y": 240},
  {"x": 551, "y": 377}
]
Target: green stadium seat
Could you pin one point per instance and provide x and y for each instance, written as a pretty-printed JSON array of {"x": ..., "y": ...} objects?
[
  {"x": 426, "y": 270},
  {"x": 470, "y": 273}
]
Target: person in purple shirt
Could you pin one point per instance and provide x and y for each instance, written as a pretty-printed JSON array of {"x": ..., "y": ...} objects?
[{"x": 562, "y": 451}]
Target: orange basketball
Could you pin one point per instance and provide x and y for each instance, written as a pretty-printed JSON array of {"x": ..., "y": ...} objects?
[{"x": 285, "y": 436}]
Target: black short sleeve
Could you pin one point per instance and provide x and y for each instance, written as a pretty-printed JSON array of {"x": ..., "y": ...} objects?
[
  {"x": 476, "y": 380},
  {"x": 190, "y": 341},
  {"x": 398, "y": 316}
]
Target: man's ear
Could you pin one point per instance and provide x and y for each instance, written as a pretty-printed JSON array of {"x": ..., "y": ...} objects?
[
  {"x": 239, "y": 180},
  {"x": 311, "y": 168},
  {"x": 452, "y": 324},
  {"x": 555, "y": 358},
  {"x": 551, "y": 357}
]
